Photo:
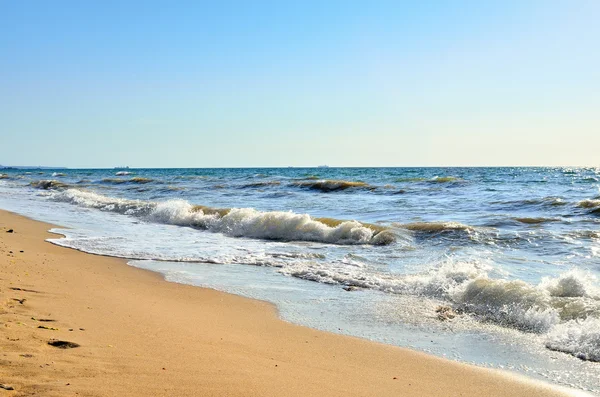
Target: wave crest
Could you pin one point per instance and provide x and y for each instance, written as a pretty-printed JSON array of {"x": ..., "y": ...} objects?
[
  {"x": 470, "y": 290},
  {"x": 236, "y": 222}
]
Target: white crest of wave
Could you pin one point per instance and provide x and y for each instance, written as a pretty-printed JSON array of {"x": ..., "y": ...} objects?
[
  {"x": 572, "y": 284},
  {"x": 104, "y": 203},
  {"x": 236, "y": 222},
  {"x": 273, "y": 225},
  {"x": 249, "y": 222},
  {"x": 508, "y": 302}
]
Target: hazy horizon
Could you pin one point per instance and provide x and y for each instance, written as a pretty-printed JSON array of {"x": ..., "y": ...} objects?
[{"x": 391, "y": 84}]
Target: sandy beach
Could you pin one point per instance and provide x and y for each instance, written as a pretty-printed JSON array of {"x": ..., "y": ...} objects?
[{"x": 139, "y": 335}]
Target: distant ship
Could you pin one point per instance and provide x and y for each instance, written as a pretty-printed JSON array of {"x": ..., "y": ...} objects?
[
  {"x": 122, "y": 168},
  {"x": 323, "y": 166}
]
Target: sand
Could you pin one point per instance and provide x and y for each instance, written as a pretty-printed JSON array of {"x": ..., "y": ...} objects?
[{"x": 142, "y": 336}]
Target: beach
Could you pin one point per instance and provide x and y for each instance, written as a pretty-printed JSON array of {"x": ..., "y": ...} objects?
[{"x": 139, "y": 335}]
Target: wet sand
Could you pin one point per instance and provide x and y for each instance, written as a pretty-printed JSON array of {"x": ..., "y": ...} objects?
[{"x": 139, "y": 335}]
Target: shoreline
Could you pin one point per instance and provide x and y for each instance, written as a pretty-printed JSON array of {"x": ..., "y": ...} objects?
[{"x": 141, "y": 335}]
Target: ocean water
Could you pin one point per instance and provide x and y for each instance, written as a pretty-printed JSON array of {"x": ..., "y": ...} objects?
[{"x": 498, "y": 267}]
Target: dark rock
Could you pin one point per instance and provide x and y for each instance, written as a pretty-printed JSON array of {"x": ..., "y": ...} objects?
[
  {"x": 10, "y": 231},
  {"x": 6, "y": 387},
  {"x": 63, "y": 344}
]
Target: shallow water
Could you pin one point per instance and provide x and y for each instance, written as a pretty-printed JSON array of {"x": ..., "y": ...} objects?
[{"x": 514, "y": 252}]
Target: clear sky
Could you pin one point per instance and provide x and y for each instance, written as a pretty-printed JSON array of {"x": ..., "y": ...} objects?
[{"x": 249, "y": 83}]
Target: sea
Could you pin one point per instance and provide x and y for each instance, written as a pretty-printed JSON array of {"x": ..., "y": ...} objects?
[{"x": 497, "y": 267}]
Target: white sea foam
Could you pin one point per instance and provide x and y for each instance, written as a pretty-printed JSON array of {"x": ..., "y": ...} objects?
[
  {"x": 572, "y": 284},
  {"x": 470, "y": 289},
  {"x": 236, "y": 222},
  {"x": 581, "y": 338}
]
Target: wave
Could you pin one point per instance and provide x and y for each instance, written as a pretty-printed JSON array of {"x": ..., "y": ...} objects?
[
  {"x": 235, "y": 222},
  {"x": 435, "y": 227},
  {"x": 118, "y": 181},
  {"x": 261, "y": 184},
  {"x": 590, "y": 203},
  {"x": 416, "y": 179},
  {"x": 445, "y": 179},
  {"x": 560, "y": 307},
  {"x": 593, "y": 205},
  {"x": 48, "y": 184},
  {"x": 139, "y": 179},
  {"x": 550, "y": 201},
  {"x": 533, "y": 220},
  {"x": 330, "y": 185},
  {"x": 58, "y": 174},
  {"x": 121, "y": 173},
  {"x": 435, "y": 179}
]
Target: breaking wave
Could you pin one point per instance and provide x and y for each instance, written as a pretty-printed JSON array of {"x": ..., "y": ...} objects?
[
  {"x": 566, "y": 308},
  {"x": 235, "y": 222}
]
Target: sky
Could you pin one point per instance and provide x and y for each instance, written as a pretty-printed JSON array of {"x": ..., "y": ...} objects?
[{"x": 275, "y": 83}]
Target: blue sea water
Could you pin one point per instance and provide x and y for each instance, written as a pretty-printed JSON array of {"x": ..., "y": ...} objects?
[{"x": 493, "y": 266}]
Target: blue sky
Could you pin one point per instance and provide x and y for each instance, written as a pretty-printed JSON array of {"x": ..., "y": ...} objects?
[{"x": 398, "y": 83}]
